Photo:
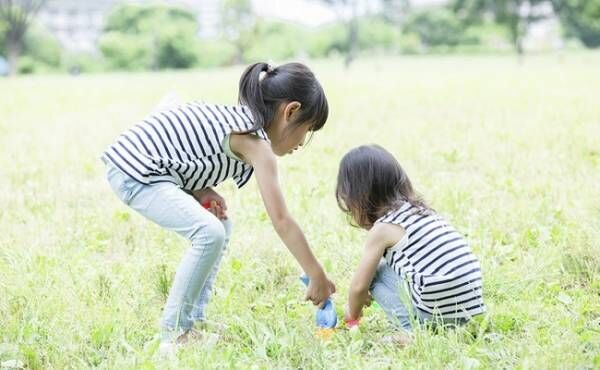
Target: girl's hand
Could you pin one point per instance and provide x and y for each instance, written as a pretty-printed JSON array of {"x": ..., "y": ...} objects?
[
  {"x": 380, "y": 237},
  {"x": 349, "y": 320},
  {"x": 319, "y": 289},
  {"x": 259, "y": 154},
  {"x": 212, "y": 201}
]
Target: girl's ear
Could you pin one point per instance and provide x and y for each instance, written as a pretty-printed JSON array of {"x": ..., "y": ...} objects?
[{"x": 290, "y": 109}]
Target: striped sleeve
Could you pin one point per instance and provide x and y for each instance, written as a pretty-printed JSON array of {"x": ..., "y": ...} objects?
[{"x": 243, "y": 178}]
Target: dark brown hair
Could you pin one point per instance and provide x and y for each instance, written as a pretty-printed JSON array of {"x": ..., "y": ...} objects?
[
  {"x": 286, "y": 83},
  {"x": 371, "y": 183}
]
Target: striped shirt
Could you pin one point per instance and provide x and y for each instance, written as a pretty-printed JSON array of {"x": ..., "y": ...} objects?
[
  {"x": 443, "y": 275},
  {"x": 185, "y": 145}
]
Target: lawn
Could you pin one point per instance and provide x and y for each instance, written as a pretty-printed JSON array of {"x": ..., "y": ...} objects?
[{"x": 509, "y": 153}]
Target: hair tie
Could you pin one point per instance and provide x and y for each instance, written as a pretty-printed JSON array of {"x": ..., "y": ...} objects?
[{"x": 263, "y": 74}]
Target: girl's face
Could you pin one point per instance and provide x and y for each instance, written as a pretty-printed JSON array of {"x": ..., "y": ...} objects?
[{"x": 285, "y": 134}]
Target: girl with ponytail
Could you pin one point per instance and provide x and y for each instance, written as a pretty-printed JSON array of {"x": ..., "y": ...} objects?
[{"x": 166, "y": 166}]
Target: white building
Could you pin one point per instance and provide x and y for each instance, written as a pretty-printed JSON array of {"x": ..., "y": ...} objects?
[{"x": 78, "y": 24}]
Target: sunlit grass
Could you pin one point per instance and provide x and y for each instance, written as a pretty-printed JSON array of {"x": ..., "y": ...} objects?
[{"x": 510, "y": 153}]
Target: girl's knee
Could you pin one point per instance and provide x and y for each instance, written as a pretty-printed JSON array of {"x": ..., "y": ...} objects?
[
  {"x": 228, "y": 225},
  {"x": 210, "y": 233},
  {"x": 378, "y": 291}
]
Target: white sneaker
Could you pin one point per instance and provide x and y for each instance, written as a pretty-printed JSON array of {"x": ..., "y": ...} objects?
[
  {"x": 167, "y": 349},
  {"x": 212, "y": 326},
  {"x": 400, "y": 339},
  {"x": 204, "y": 337}
]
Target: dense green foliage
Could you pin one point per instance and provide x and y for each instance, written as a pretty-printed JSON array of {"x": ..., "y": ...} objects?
[
  {"x": 273, "y": 41},
  {"x": 156, "y": 37},
  {"x": 3, "y": 27},
  {"x": 581, "y": 19},
  {"x": 515, "y": 15},
  {"x": 376, "y": 34},
  {"x": 150, "y": 36},
  {"x": 41, "y": 52},
  {"x": 435, "y": 27}
]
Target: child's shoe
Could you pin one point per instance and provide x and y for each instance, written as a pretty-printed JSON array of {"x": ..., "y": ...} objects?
[
  {"x": 169, "y": 344},
  {"x": 211, "y": 326},
  {"x": 400, "y": 339},
  {"x": 202, "y": 336},
  {"x": 167, "y": 349}
]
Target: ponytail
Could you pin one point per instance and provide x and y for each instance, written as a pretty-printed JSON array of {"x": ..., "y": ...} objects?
[
  {"x": 251, "y": 94},
  {"x": 263, "y": 88}
]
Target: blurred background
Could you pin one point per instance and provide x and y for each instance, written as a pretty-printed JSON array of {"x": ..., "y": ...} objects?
[{"x": 72, "y": 36}]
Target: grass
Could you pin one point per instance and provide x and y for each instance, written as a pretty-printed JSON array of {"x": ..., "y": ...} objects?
[{"x": 510, "y": 153}]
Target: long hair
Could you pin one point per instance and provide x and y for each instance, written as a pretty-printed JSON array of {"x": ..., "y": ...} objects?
[
  {"x": 264, "y": 87},
  {"x": 372, "y": 183}
]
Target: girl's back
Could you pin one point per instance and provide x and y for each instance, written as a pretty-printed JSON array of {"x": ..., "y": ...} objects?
[
  {"x": 443, "y": 275},
  {"x": 187, "y": 144}
]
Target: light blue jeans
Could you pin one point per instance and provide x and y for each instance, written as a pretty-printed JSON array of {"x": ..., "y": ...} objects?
[
  {"x": 391, "y": 294},
  {"x": 170, "y": 207}
]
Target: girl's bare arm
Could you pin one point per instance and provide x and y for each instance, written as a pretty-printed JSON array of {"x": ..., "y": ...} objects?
[{"x": 258, "y": 153}]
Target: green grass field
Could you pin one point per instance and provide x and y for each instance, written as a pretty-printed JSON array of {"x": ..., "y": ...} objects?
[{"x": 509, "y": 153}]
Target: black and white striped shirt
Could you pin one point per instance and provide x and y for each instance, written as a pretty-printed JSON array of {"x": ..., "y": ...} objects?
[
  {"x": 443, "y": 275},
  {"x": 185, "y": 146}
]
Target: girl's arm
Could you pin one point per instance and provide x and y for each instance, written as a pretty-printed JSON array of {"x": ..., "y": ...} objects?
[
  {"x": 380, "y": 237},
  {"x": 259, "y": 154}
]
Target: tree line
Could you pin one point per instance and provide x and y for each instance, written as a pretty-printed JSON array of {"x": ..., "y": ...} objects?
[{"x": 154, "y": 37}]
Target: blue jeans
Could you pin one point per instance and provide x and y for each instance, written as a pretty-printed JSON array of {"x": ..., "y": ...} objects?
[
  {"x": 390, "y": 292},
  {"x": 170, "y": 207}
]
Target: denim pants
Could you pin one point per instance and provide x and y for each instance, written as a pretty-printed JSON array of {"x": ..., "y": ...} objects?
[
  {"x": 391, "y": 294},
  {"x": 170, "y": 207}
]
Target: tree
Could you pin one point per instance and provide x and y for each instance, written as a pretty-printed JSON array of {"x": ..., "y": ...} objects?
[
  {"x": 238, "y": 25},
  {"x": 581, "y": 19},
  {"x": 435, "y": 27},
  {"x": 515, "y": 15},
  {"x": 17, "y": 16},
  {"x": 275, "y": 40},
  {"x": 392, "y": 11},
  {"x": 348, "y": 12},
  {"x": 150, "y": 36},
  {"x": 395, "y": 11}
]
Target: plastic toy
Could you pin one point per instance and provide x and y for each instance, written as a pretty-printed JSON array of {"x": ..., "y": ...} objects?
[{"x": 325, "y": 318}]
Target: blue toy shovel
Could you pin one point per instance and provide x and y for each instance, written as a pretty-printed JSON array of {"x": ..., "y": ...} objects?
[{"x": 325, "y": 317}]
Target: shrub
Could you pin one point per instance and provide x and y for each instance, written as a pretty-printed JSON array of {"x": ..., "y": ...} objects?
[
  {"x": 214, "y": 53},
  {"x": 435, "y": 27},
  {"x": 150, "y": 36},
  {"x": 375, "y": 33},
  {"x": 129, "y": 52},
  {"x": 275, "y": 40}
]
